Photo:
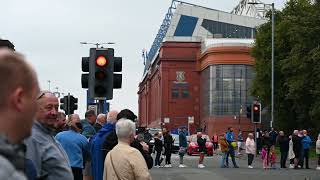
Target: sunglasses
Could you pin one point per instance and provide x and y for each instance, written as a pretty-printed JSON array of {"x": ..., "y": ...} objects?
[{"x": 42, "y": 94}]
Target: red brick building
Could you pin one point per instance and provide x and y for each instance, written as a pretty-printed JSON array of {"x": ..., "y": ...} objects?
[
  {"x": 201, "y": 68},
  {"x": 175, "y": 85}
]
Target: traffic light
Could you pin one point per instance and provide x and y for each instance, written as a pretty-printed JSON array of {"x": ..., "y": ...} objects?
[
  {"x": 64, "y": 104},
  {"x": 249, "y": 111},
  {"x": 85, "y": 76},
  {"x": 256, "y": 113},
  {"x": 117, "y": 78},
  {"x": 69, "y": 104},
  {"x": 101, "y": 64},
  {"x": 73, "y": 104}
]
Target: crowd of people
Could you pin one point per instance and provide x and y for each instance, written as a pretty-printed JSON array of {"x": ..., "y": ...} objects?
[
  {"x": 295, "y": 147},
  {"x": 39, "y": 142}
]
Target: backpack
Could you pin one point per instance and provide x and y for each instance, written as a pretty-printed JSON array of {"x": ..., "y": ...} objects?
[{"x": 109, "y": 143}]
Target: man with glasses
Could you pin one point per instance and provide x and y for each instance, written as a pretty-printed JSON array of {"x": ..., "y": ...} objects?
[{"x": 48, "y": 156}]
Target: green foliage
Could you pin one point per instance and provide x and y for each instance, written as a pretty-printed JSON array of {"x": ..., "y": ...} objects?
[{"x": 297, "y": 66}]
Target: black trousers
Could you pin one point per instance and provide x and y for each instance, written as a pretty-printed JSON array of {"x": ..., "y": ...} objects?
[
  {"x": 318, "y": 160},
  {"x": 168, "y": 155},
  {"x": 305, "y": 156},
  {"x": 77, "y": 173},
  {"x": 250, "y": 159},
  {"x": 283, "y": 159}
]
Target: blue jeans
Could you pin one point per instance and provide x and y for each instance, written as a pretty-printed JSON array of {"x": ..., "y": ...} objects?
[
  {"x": 223, "y": 160},
  {"x": 157, "y": 160},
  {"x": 231, "y": 153}
]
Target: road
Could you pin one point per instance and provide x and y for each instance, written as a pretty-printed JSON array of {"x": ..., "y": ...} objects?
[{"x": 213, "y": 172}]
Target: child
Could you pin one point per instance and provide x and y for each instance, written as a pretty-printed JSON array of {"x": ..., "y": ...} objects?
[
  {"x": 224, "y": 150},
  {"x": 273, "y": 157},
  {"x": 264, "y": 157}
]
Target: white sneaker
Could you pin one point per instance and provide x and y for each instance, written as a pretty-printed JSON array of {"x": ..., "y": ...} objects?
[
  {"x": 169, "y": 165},
  {"x": 291, "y": 166},
  {"x": 201, "y": 166},
  {"x": 166, "y": 166},
  {"x": 181, "y": 166},
  {"x": 318, "y": 168},
  {"x": 157, "y": 166},
  {"x": 250, "y": 167}
]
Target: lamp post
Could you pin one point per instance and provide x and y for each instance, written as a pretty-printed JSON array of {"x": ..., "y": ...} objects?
[
  {"x": 97, "y": 44},
  {"x": 272, "y": 59}
]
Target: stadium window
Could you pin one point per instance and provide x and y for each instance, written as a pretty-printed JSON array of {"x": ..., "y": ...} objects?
[
  {"x": 174, "y": 93},
  {"x": 185, "y": 93}
]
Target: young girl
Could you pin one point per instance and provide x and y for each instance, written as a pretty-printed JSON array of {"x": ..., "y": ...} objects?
[
  {"x": 273, "y": 157},
  {"x": 264, "y": 157},
  {"x": 224, "y": 150}
]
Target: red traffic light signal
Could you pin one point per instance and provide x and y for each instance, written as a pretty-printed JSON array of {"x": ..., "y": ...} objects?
[
  {"x": 101, "y": 61},
  {"x": 256, "y": 113}
]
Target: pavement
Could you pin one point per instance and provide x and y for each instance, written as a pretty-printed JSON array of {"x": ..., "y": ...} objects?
[{"x": 212, "y": 171}]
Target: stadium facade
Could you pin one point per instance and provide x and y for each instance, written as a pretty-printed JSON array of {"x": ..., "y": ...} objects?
[{"x": 199, "y": 70}]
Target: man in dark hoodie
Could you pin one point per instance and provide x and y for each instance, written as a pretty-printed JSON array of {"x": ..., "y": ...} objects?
[{"x": 284, "y": 148}]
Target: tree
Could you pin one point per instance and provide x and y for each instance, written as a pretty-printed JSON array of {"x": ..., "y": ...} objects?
[{"x": 297, "y": 65}]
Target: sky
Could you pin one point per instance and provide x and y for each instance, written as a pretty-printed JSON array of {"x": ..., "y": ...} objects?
[{"x": 49, "y": 32}]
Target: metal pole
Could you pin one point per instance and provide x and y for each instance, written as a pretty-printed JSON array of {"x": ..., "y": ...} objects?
[
  {"x": 272, "y": 69},
  {"x": 255, "y": 137},
  {"x": 68, "y": 109},
  {"x": 100, "y": 106},
  {"x": 49, "y": 85},
  {"x": 239, "y": 126}
]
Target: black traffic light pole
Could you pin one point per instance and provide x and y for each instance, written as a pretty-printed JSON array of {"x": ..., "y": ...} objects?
[
  {"x": 68, "y": 104},
  {"x": 100, "y": 106}
]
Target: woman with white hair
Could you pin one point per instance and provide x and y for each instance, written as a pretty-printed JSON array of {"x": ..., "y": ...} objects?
[
  {"x": 250, "y": 149},
  {"x": 318, "y": 151},
  {"x": 124, "y": 161}
]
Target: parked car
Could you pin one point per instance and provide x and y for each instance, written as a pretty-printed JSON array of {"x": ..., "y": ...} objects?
[{"x": 193, "y": 147}]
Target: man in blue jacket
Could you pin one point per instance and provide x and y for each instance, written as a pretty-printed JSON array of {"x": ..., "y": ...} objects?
[
  {"x": 306, "y": 142},
  {"x": 96, "y": 144},
  {"x": 230, "y": 138}
]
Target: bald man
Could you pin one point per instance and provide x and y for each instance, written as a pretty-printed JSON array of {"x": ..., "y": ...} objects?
[
  {"x": 98, "y": 154},
  {"x": 18, "y": 96},
  {"x": 48, "y": 156},
  {"x": 101, "y": 120}
]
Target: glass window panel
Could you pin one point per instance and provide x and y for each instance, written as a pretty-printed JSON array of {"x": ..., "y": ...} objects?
[
  {"x": 185, "y": 93},
  {"x": 175, "y": 93}
]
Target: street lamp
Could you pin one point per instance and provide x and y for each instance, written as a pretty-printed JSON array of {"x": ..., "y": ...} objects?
[
  {"x": 97, "y": 44},
  {"x": 272, "y": 59}
]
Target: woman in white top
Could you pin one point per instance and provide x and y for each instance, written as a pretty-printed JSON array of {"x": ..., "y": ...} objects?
[
  {"x": 291, "y": 155},
  {"x": 250, "y": 149},
  {"x": 318, "y": 151}
]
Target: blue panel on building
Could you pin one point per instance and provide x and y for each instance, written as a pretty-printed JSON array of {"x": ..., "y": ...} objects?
[{"x": 186, "y": 26}]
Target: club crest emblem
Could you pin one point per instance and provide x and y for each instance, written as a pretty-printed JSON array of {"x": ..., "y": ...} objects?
[{"x": 180, "y": 76}]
